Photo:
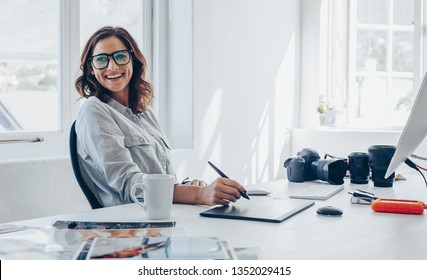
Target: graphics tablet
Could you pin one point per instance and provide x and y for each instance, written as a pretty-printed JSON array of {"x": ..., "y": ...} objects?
[{"x": 263, "y": 209}]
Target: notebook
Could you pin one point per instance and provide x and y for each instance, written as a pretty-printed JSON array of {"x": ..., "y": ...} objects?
[{"x": 263, "y": 209}]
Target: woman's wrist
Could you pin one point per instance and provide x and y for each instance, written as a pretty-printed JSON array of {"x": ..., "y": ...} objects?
[{"x": 187, "y": 194}]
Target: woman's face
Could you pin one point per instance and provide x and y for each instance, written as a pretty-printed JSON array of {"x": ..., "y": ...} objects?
[{"x": 114, "y": 77}]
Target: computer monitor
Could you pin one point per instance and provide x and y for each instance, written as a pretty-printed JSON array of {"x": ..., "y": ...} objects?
[{"x": 414, "y": 131}]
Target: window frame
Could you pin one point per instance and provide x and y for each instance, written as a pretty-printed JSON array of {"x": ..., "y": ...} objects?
[
  {"x": 55, "y": 143},
  {"x": 172, "y": 73}
]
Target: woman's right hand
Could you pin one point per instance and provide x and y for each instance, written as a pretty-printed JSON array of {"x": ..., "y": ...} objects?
[{"x": 221, "y": 191}]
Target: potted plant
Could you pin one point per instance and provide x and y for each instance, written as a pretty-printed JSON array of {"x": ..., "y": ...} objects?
[{"x": 327, "y": 112}]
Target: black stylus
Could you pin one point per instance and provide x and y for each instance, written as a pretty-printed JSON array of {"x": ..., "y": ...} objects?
[{"x": 225, "y": 176}]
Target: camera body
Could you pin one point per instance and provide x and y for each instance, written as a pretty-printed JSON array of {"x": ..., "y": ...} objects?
[{"x": 308, "y": 166}]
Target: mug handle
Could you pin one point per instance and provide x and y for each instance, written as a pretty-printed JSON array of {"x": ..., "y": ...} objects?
[{"x": 133, "y": 196}]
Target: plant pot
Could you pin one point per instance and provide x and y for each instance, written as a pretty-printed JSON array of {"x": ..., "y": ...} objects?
[{"x": 328, "y": 118}]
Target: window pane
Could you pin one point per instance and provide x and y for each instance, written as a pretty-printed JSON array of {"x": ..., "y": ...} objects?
[
  {"x": 401, "y": 94},
  {"x": 95, "y": 14},
  {"x": 371, "y": 50},
  {"x": 403, "y": 12},
  {"x": 29, "y": 55},
  {"x": 371, "y": 97},
  {"x": 400, "y": 100},
  {"x": 403, "y": 51},
  {"x": 378, "y": 104},
  {"x": 372, "y": 11},
  {"x": 383, "y": 62}
]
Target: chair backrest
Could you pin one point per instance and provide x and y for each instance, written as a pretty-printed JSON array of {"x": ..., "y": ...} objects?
[{"x": 86, "y": 184}]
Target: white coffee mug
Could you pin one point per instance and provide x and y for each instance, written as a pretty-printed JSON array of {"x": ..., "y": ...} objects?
[{"x": 158, "y": 195}]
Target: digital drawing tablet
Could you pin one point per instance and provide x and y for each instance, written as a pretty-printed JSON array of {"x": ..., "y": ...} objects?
[{"x": 263, "y": 209}]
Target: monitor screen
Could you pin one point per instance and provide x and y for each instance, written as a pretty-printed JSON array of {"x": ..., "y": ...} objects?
[{"x": 414, "y": 131}]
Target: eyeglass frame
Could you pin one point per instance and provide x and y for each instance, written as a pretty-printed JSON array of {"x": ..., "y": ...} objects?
[{"x": 130, "y": 51}]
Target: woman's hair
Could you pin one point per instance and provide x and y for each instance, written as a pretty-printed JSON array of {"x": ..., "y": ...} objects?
[{"x": 140, "y": 91}]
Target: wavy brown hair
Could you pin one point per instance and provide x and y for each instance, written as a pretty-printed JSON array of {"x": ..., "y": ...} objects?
[{"x": 140, "y": 91}]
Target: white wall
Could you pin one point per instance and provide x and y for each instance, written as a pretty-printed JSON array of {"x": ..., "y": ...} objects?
[
  {"x": 340, "y": 143},
  {"x": 245, "y": 79},
  {"x": 31, "y": 189},
  {"x": 311, "y": 55}
]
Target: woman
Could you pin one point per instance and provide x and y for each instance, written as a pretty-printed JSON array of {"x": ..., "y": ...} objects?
[{"x": 119, "y": 137}]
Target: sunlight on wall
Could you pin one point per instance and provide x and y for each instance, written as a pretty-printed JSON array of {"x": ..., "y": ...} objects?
[
  {"x": 271, "y": 145},
  {"x": 286, "y": 101},
  {"x": 261, "y": 147},
  {"x": 211, "y": 130},
  {"x": 246, "y": 126},
  {"x": 285, "y": 86}
]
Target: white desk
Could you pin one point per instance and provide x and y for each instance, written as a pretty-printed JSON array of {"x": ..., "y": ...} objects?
[{"x": 359, "y": 234}]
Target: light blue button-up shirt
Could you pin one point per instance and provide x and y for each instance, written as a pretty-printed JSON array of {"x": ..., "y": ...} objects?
[{"x": 118, "y": 147}]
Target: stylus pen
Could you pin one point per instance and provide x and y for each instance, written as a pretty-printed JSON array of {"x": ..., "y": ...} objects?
[{"x": 225, "y": 176}]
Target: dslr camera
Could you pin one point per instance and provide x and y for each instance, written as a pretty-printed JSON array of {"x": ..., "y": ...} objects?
[{"x": 308, "y": 166}]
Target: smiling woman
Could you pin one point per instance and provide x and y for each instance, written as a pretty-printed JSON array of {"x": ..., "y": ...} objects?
[
  {"x": 119, "y": 139},
  {"x": 114, "y": 78}
]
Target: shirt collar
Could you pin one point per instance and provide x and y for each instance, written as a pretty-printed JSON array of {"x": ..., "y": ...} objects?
[
  {"x": 121, "y": 108},
  {"x": 118, "y": 106}
]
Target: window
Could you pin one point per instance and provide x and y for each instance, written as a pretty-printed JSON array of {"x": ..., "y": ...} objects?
[
  {"x": 29, "y": 66},
  {"x": 95, "y": 14},
  {"x": 378, "y": 44},
  {"x": 382, "y": 77}
]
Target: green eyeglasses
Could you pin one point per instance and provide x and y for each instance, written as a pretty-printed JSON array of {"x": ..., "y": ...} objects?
[{"x": 100, "y": 61}]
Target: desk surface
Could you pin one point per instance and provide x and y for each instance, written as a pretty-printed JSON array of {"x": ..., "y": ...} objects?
[{"x": 359, "y": 234}]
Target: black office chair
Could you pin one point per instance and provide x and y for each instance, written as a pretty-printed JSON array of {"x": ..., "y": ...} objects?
[{"x": 86, "y": 184}]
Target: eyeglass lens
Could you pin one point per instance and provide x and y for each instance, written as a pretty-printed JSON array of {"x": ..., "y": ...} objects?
[{"x": 101, "y": 61}]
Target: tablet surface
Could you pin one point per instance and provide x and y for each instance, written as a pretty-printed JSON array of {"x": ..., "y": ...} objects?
[{"x": 263, "y": 209}]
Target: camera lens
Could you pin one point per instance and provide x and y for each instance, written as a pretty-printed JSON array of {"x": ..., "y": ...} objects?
[
  {"x": 359, "y": 167},
  {"x": 330, "y": 170},
  {"x": 379, "y": 159}
]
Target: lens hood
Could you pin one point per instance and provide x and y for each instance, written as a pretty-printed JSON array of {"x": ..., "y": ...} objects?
[{"x": 331, "y": 170}]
